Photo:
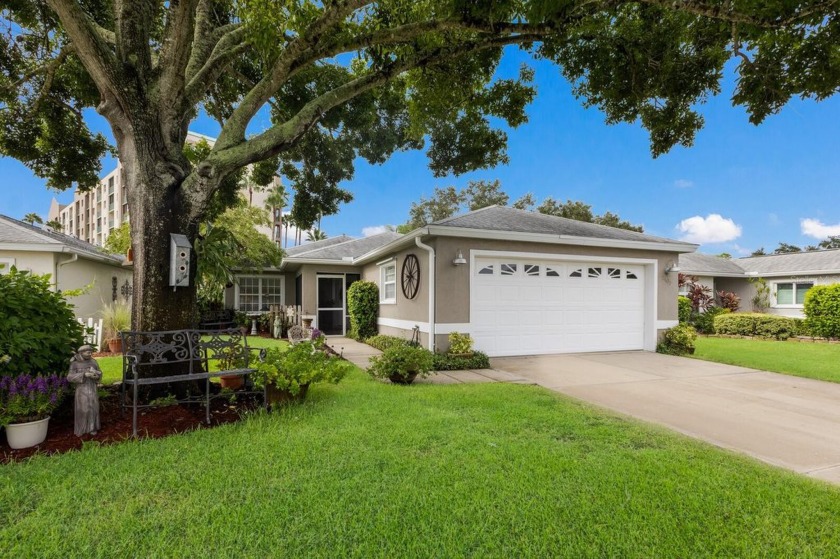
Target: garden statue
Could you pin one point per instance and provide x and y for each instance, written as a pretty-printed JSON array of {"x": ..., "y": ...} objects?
[
  {"x": 85, "y": 374},
  {"x": 278, "y": 327}
]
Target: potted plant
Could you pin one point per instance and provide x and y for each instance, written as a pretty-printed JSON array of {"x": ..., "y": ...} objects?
[
  {"x": 116, "y": 317},
  {"x": 26, "y": 402},
  {"x": 460, "y": 345},
  {"x": 402, "y": 363},
  {"x": 287, "y": 374},
  {"x": 229, "y": 359}
]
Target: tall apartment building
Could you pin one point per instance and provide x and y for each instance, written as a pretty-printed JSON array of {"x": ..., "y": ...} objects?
[{"x": 92, "y": 215}]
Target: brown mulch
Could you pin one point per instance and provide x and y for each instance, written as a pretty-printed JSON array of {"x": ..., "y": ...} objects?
[{"x": 116, "y": 427}]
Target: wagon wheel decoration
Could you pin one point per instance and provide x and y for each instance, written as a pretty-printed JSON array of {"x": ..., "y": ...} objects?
[{"x": 410, "y": 276}]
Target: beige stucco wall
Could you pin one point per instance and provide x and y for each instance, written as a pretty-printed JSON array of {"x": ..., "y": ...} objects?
[
  {"x": 309, "y": 299},
  {"x": 411, "y": 310},
  {"x": 78, "y": 274},
  {"x": 746, "y": 291},
  {"x": 74, "y": 275}
]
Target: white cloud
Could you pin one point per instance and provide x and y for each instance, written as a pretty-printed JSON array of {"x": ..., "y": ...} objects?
[
  {"x": 713, "y": 228},
  {"x": 683, "y": 183},
  {"x": 817, "y": 229},
  {"x": 375, "y": 230},
  {"x": 741, "y": 251}
]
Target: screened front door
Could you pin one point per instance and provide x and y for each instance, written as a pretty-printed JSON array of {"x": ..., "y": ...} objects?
[{"x": 331, "y": 304}]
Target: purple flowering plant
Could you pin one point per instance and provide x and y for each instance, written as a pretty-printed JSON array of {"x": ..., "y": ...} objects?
[
  {"x": 30, "y": 397},
  {"x": 318, "y": 338}
]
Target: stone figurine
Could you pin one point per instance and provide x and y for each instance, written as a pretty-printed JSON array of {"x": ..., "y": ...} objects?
[
  {"x": 278, "y": 327},
  {"x": 85, "y": 374}
]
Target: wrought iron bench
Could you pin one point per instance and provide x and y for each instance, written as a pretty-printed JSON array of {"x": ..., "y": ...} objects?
[{"x": 151, "y": 358}]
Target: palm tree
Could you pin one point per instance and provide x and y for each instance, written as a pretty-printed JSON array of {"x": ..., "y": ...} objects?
[
  {"x": 32, "y": 218},
  {"x": 54, "y": 224},
  {"x": 274, "y": 203},
  {"x": 316, "y": 235}
]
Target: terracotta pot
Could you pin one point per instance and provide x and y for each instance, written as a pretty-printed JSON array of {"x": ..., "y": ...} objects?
[
  {"x": 25, "y": 435},
  {"x": 397, "y": 378},
  {"x": 115, "y": 345},
  {"x": 232, "y": 382},
  {"x": 282, "y": 397},
  {"x": 307, "y": 322}
]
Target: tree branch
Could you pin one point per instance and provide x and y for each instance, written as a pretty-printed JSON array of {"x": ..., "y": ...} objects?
[
  {"x": 134, "y": 19},
  {"x": 226, "y": 49},
  {"x": 721, "y": 12},
  {"x": 282, "y": 136},
  {"x": 234, "y": 131},
  {"x": 91, "y": 48},
  {"x": 175, "y": 51}
]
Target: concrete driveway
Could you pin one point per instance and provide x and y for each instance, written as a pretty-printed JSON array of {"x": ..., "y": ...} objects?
[{"x": 787, "y": 421}]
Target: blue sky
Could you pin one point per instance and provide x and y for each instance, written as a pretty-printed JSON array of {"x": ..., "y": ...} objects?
[{"x": 740, "y": 187}]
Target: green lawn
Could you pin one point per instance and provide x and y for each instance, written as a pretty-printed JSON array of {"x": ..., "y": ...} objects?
[
  {"x": 803, "y": 359},
  {"x": 366, "y": 469},
  {"x": 112, "y": 366}
]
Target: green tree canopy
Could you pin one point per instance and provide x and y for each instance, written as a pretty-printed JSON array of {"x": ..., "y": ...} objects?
[
  {"x": 348, "y": 79},
  {"x": 119, "y": 239}
]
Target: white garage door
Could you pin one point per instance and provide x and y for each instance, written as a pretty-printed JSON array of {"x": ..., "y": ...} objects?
[{"x": 521, "y": 306}]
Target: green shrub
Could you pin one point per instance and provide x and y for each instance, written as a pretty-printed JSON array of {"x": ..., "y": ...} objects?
[
  {"x": 705, "y": 322},
  {"x": 683, "y": 309},
  {"x": 362, "y": 304},
  {"x": 460, "y": 343},
  {"x": 384, "y": 341},
  {"x": 38, "y": 329},
  {"x": 450, "y": 362},
  {"x": 116, "y": 317},
  {"x": 756, "y": 324},
  {"x": 802, "y": 328},
  {"x": 290, "y": 369},
  {"x": 401, "y": 360},
  {"x": 822, "y": 310},
  {"x": 678, "y": 340}
]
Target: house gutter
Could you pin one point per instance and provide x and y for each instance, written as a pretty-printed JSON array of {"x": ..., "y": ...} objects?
[
  {"x": 432, "y": 274},
  {"x": 58, "y": 265}
]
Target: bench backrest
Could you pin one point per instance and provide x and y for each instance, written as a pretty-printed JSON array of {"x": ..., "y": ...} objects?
[{"x": 185, "y": 351}]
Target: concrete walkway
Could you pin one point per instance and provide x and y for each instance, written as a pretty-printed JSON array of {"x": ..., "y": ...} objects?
[
  {"x": 784, "y": 420},
  {"x": 359, "y": 354}
]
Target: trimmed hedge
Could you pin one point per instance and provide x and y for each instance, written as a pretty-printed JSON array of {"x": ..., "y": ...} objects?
[
  {"x": 678, "y": 340},
  {"x": 756, "y": 324},
  {"x": 822, "y": 309},
  {"x": 449, "y": 362},
  {"x": 384, "y": 341},
  {"x": 362, "y": 304},
  {"x": 704, "y": 322}
]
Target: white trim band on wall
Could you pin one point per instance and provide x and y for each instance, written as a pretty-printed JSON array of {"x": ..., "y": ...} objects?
[
  {"x": 440, "y": 328},
  {"x": 665, "y": 324}
]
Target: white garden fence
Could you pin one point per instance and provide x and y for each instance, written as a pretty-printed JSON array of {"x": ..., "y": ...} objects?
[{"x": 93, "y": 332}]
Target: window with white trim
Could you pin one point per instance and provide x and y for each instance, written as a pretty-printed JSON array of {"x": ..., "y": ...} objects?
[
  {"x": 256, "y": 293},
  {"x": 388, "y": 282},
  {"x": 6, "y": 265},
  {"x": 792, "y": 294}
]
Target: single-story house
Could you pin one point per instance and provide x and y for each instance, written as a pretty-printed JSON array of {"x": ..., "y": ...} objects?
[
  {"x": 72, "y": 264},
  {"x": 518, "y": 282},
  {"x": 789, "y": 276}
]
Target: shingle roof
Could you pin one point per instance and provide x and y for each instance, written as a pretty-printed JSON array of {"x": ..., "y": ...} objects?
[
  {"x": 501, "y": 218},
  {"x": 350, "y": 248},
  {"x": 819, "y": 261},
  {"x": 707, "y": 264},
  {"x": 314, "y": 245},
  {"x": 14, "y": 231},
  {"x": 793, "y": 263}
]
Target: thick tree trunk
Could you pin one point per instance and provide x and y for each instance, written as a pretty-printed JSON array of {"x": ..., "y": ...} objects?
[{"x": 158, "y": 207}]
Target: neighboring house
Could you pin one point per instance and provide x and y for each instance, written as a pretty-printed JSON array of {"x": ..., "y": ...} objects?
[
  {"x": 518, "y": 282},
  {"x": 789, "y": 276},
  {"x": 93, "y": 214},
  {"x": 71, "y": 263}
]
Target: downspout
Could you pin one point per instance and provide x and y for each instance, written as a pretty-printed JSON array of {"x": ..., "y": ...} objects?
[
  {"x": 432, "y": 275},
  {"x": 63, "y": 263}
]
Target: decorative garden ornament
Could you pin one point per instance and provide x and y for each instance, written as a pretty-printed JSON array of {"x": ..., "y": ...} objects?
[{"x": 85, "y": 374}]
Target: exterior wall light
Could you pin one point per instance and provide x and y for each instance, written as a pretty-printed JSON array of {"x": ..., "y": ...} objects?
[{"x": 459, "y": 259}]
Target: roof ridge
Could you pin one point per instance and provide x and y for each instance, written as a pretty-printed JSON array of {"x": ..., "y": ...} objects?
[
  {"x": 469, "y": 212},
  {"x": 313, "y": 249},
  {"x": 60, "y": 238},
  {"x": 824, "y": 250}
]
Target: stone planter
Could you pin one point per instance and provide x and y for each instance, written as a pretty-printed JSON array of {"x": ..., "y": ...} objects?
[
  {"x": 275, "y": 396},
  {"x": 232, "y": 382},
  {"x": 25, "y": 435},
  {"x": 115, "y": 345},
  {"x": 397, "y": 378}
]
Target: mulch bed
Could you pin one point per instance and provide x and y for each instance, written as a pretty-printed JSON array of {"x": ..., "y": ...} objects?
[{"x": 116, "y": 427}]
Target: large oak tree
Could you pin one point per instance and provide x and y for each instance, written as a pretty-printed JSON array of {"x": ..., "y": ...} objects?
[{"x": 348, "y": 78}]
